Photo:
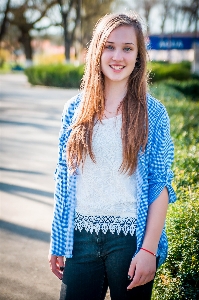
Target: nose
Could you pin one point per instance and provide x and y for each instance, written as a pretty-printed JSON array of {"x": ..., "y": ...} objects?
[{"x": 117, "y": 55}]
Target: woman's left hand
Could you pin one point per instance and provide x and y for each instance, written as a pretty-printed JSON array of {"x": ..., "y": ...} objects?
[{"x": 142, "y": 269}]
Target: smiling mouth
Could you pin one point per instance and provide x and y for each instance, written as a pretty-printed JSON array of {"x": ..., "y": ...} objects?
[{"x": 117, "y": 68}]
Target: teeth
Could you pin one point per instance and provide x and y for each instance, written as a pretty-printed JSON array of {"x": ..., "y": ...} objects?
[{"x": 117, "y": 67}]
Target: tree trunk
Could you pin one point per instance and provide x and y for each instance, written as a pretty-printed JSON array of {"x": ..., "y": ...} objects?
[
  {"x": 67, "y": 40},
  {"x": 4, "y": 22},
  {"x": 26, "y": 40},
  {"x": 163, "y": 24}
]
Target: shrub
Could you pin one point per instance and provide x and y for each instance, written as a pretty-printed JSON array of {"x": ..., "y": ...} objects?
[
  {"x": 160, "y": 71},
  {"x": 65, "y": 76},
  {"x": 189, "y": 88},
  {"x": 161, "y": 91},
  {"x": 173, "y": 89},
  {"x": 178, "y": 278}
]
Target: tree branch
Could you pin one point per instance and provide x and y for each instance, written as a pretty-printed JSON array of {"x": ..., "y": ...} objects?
[
  {"x": 43, "y": 13},
  {"x": 5, "y": 19}
]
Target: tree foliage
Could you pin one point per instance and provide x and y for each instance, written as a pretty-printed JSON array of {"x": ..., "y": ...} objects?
[
  {"x": 77, "y": 17},
  {"x": 191, "y": 9},
  {"x": 92, "y": 10},
  {"x": 182, "y": 15},
  {"x": 25, "y": 15}
]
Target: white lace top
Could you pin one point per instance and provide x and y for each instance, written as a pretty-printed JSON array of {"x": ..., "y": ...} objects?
[{"x": 106, "y": 198}]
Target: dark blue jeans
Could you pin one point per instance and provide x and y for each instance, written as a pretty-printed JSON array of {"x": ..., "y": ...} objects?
[{"x": 100, "y": 261}]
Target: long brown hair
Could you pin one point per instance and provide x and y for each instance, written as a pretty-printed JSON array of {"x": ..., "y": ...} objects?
[{"x": 134, "y": 106}]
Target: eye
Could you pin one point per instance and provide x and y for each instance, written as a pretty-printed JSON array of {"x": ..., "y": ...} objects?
[
  {"x": 109, "y": 47},
  {"x": 127, "y": 49}
]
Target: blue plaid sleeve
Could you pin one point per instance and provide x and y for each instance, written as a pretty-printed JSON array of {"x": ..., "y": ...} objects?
[
  {"x": 62, "y": 213},
  {"x": 161, "y": 158}
]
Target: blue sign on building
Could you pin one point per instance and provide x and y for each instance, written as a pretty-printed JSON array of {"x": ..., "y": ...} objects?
[{"x": 169, "y": 42}]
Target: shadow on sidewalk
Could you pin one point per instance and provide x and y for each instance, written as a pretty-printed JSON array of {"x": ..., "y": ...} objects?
[
  {"x": 20, "y": 171},
  {"x": 15, "y": 189},
  {"x": 25, "y": 231}
]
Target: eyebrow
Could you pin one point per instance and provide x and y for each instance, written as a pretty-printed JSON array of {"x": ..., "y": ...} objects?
[{"x": 123, "y": 43}]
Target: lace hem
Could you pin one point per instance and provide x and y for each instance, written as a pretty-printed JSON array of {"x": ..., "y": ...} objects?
[{"x": 105, "y": 223}]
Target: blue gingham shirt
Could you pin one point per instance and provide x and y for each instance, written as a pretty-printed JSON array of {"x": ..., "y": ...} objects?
[{"x": 153, "y": 173}]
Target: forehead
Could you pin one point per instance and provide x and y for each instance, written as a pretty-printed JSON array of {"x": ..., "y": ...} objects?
[{"x": 123, "y": 34}]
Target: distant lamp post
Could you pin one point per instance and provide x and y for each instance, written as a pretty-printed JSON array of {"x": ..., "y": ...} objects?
[{"x": 195, "y": 63}]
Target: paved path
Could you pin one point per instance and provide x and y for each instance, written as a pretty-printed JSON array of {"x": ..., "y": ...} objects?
[{"x": 29, "y": 124}]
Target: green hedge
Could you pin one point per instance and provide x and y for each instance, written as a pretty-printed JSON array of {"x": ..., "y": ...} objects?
[
  {"x": 189, "y": 88},
  {"x": 178, "y": 278},
  {"x": 163, "y": 71},
  {"x": 65, "y": 76},
  {"x": 174, "y": 89}
]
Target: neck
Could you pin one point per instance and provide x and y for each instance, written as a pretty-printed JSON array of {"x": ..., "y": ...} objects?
[{"x": 114, "y": 93}]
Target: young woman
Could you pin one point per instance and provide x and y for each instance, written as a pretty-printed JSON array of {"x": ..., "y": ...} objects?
[{"x": 113, "y": 178}]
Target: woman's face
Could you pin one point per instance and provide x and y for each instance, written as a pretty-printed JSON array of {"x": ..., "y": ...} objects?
[{"x": 119, "y": 55}]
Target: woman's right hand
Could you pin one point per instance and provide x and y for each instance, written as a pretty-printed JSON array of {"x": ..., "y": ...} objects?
[{"x": 56, "y": 262}]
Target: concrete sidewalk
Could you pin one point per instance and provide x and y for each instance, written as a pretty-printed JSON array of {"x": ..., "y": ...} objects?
[{"x": 29, "y": 124}]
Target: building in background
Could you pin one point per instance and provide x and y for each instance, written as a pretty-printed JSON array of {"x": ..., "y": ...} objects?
[{"x": 173, "y": 47}]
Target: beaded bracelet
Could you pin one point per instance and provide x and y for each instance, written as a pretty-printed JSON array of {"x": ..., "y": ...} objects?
[{"x": 148, "y": 251}]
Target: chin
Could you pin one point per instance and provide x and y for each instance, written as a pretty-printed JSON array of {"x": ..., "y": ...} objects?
[{"x": 113, "y": 79}]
